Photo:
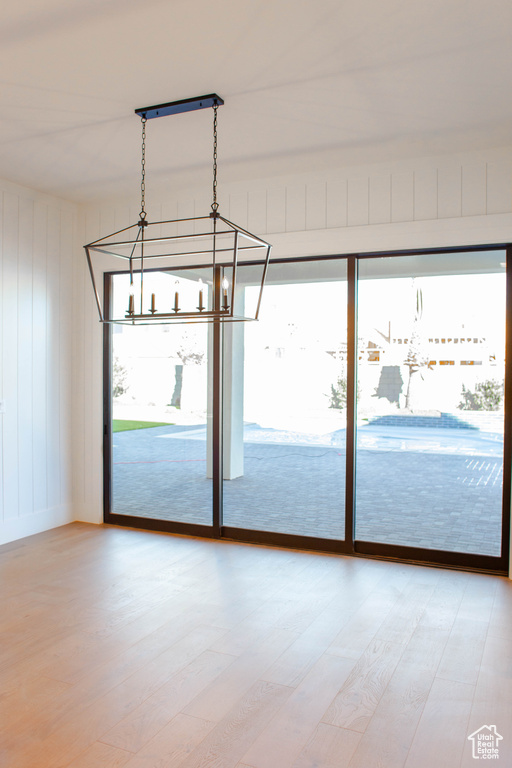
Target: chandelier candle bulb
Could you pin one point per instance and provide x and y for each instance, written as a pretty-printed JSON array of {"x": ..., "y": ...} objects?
[
  {"x": 201, "y": 305},
  {"x": 153, "y": 307},
  {"x": 225, "y": 293},
  {"x": 176, "y": 302},
  {"x": 130, "y": 304}
]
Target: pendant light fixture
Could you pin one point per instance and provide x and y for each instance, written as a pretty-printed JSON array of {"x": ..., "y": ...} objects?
[{"x": 181, "y": 270}]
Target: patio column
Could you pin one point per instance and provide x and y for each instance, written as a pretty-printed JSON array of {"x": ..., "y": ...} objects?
[{"x": 233, "y": 390}]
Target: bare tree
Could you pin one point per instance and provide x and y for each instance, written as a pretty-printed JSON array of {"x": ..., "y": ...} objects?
[
  {"x": 187, "y": 351},
  {"x": 417, "y": 359}
]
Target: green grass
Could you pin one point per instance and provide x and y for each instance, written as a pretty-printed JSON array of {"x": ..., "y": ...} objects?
[{"x": 122, "y": 425}]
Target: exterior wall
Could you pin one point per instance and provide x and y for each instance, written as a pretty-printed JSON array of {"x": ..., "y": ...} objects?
[
  {"x": 426, "y": 202},
  {"x": 36, "y": 288}
]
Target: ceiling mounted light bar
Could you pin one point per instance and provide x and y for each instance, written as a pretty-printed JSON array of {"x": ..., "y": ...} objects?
[
  {"x": 179, "y": 271},
  {"x": 176, "y": 107}
]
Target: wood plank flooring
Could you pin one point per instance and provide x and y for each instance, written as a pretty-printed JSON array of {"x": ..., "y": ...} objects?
[{"x": 124, "y": 648}]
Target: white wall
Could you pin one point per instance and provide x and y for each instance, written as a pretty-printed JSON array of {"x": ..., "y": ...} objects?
[
  {"x": 427, "y": 202},
  {"x": 36, "y": 287}
]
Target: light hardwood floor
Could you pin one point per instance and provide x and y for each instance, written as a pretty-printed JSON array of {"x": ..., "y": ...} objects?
[{"x": 137, "y": 649}]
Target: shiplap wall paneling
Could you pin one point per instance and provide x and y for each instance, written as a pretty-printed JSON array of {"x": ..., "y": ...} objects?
[
  {"x": 95, "y": 226},
  {"x": 10, "y": 230},
  {"x": 67, "y": 244},
  {"x": 402, "y": 196},
  {"x": 499, "y": 186},
  {"x": 358, "y": 201},
  {"x": 316, "y": 214},
  {"x": 186, "y": 210},
  {"x": 79, "y": 342},
  {"x": 36, "y": 364},
  {"x": 106, "y": 223},
  {"x": 336, "y": 204},
  {"x": 53, "y": 321},
  {"x": 474, "y": 189},
  {"x": 238, "y": 209},
  {"x": 425, "y": 194},
  {"x": 276, "y": 209},
  {"x": 25, "y": 358},
  {"x": 39, "y": 372},
  {"x": 449, "y": 192},
  {"x": 380, "y": 199},
  {"x": 257, "y": 212},
  {"x": 202, "y": 207},
  {"x": 168, "y": 211},
  {"x": 295, "y": 207}
]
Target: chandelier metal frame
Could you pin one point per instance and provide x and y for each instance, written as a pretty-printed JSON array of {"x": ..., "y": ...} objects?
[{"x": 208, "y": 248}]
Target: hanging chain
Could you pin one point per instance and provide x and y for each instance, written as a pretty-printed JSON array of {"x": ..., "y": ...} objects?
[
  {"x": 142, "y": 214},
  {"x": 215, "y": 205}
]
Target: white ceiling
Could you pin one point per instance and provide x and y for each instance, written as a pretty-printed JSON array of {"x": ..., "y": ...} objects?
[{"x": 307, "y": 85}]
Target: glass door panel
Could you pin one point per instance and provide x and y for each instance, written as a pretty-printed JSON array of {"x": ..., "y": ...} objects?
[
  {"x": 284, "y": 405},
  {"x": 159, "y": 419},
  {"x": 430, "y": 415}
]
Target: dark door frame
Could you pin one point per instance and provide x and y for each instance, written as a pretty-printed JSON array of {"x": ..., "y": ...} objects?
[{"x": 349, "y": 546}]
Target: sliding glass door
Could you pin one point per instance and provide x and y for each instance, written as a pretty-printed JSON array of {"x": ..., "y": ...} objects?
[
  {"x": 430, "y": 413},
  {"x": 285, "y": 406},
  {"x": 364, "y": 413},
  {"x": 159, "y": 420}
]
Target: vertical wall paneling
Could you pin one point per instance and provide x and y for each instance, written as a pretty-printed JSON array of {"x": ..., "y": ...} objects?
[
  {"x": 10, "y": 354},
  {"x": 380, "y": 199},
  {"x": 169, "y": 212},
  {"x": 474, "y": 189},
  {"x": 154, "y": 214},
  {"x": 37, "y": 363},
  {"x": 66, "y": 247},
  {"x": 94, "y": 413},
  {"x": 39, "y": 380},
  {"x": 25, "y": 358},
  {"x": 186, "y": 210},
  {"x": 295, "y": 207},
  {"x": 276, "y": 209},
  {"x": 238, "y": 202},
  {"x": 316, "y": 194},
  {"x": 425, "y": 194},
  {"x": 499, "y": 186},
  {"x": 336, "y": 204},
  {"x": 358, "y": 202},
  {"x": 257, "y": 212},
  {"x": 122, "y": 218},
  {"x": 92, "y": 382},
  {"x": 449, "y": 192},
  {"x": 202, "y": 207},
  {"x": 80, "y": 339},
  {"x": 402, "y": 196},
  {"x": 53, "y": 357}
]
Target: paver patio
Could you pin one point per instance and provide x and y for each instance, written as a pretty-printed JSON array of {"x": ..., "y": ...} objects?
[{"x": 437, "y": 489}]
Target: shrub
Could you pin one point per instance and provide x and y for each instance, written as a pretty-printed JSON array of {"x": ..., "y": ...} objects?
[
  {"x": 486, "y": 397},
  {"x": 338, "y": 396},
  {"x": 119, "y": 376}
]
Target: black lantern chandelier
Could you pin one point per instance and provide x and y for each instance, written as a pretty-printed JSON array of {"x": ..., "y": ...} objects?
[{"x": 182, "y": 270}]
